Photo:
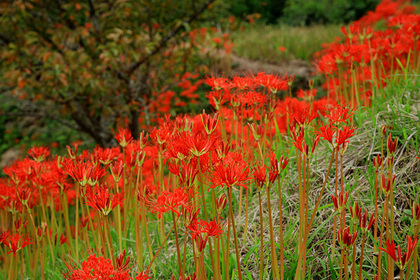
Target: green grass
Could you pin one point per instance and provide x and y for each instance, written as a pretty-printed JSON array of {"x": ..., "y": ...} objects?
[{"x": 262, "y": 42}]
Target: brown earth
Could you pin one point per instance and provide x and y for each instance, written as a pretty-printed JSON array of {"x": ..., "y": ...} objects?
[
  {"x": 231, "y": 64},
  {"x": 9, "y": 157}
]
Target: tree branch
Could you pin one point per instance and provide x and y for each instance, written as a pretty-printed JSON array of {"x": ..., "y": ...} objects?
[{"x": 166, "y": 39}]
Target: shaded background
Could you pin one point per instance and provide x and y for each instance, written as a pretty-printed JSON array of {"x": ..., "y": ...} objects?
[{"x": 78, "y": 70}]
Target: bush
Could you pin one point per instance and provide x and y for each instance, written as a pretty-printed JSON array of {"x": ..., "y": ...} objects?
[
  {"x": 270, "y": 10},
  {"x": 306, "y": 12}
]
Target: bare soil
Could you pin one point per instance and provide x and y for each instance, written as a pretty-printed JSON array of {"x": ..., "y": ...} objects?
[{"x": 231, "y": 64}]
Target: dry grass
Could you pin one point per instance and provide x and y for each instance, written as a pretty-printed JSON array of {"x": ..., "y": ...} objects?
[{"x": 358, "y": 179}]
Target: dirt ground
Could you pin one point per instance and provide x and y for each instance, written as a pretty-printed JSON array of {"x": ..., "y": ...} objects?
[{"x": 231, "y": 64}]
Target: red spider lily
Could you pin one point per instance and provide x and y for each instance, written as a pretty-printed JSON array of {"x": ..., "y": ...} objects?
[
  {"x": 143, "y": 139},
  {"x": 70, "y": 151},
  {"x": 340, "y": 114},
  {"x": 377, "y": 162},
  {"x": 392, "y": 145},
  {"x": 171, "y": 201},
  {"x": 363, "y": 221},
  {"x": 386, "y": 184},
  {"x": 327, "y": 133},
  {"x": 416, "y": 211},
  {"x": 221, "y": 203},
  {"x": 299, "y": 141},
  {"x": 105, "y": 156},
  {"x": 39, "y": 154},
  {"x": 268, "y": 117},
  {"x": 18, "y": 224},
  {"x": 24, "y": 195},
  {"x": 315, "y": 141},
  {"x": 190, "y": 216},
  {"x": 120, "y": 263},
  {"x": 276, "y": 166},
  {"x": 303, "y": 116},
  {"x": 212, "y": 228},
  {"x": 102, "y": 200},
  {"x": 260, "y": 176},
  {"x": 96, "y": 268},
  {"x": 15, "y": 242},
  {"x": 273, "y": 82},
  {"x": 223, "y": 149},
  {"x": 84, "y": 172},
  {"x": 273, "y": 172},
  {"x": 123, "y": 137},
  {"x": 62, "y": 239},
  {"x": 134, "y": 154},
  {"x": 355, "y": 212},
  {"x": 199, "y": 144},
  {"x": 162, "y": 134},
  {"x": 345, "y": 239},
  {"x": 242, "y": 83},
  {"x": 4, "y": 236},
  {"x": 257, "y": 130},
  {"x": 14, "y": 206},
  {"x": 401, "y": 260},
  {"x": 218, "y": 97},
  {"x": 217, "y": 83},
  {"x": 282, "y": 163},
  {"x": 186, "y": 172},
  {"x": 183, "y": 123},
  {"x": 273, "y": 160},
  {"x": 344, "y": 134},
  {"x": 117, "y": 170},
  {"x": 232, "y": 171},
  {"x": 209, "y": 123},
  {"x": 250, "y": 98},
  {"x": 340, "y": 201},
  {"x": 177, "y": 146},
  {"x": 23, "y": 170},
  {"x": 200, "y": 242},
  {"x": 143, "y": 276},
  {"x": 384, "y": 129},
  {"x": 41, "y": 230},
  {"x": 307, "y": 95}
]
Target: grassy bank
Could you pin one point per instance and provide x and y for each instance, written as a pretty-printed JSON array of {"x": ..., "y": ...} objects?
[{"x": 262, "y": 42}]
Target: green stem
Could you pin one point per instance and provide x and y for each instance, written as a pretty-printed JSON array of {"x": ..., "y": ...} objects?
[
  {"x": 361, "y": 256},
  {"x": 273, "y": 246},
  {"x": 281, "y": 231},
  {"x": 177, "y": 246},
  {"x": 234, "y": 233},
  {"x": 261, "y": 238},
  {"x": 380, "y": 238},
  {"x": 308, "y": 228},
  {"x": 160, "y": 248}
]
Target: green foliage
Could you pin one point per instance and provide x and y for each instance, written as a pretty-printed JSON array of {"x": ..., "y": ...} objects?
[
  {"x": 269, "y": 10},
  {"x": 303, "y": 12},
  {"x": 95, "y": 65},
  {"x": 307, "y": 12},
  {"x": 262, "y": 42}
]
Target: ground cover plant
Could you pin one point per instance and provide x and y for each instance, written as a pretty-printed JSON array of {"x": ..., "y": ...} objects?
[
  {"x": 267, "y": 186},
  {"x": 280, "y": 43}
]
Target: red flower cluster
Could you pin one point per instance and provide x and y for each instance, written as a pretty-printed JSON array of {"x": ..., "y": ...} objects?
[
  {"x": 15, "y": 241},
  {"x": 401, "y": 260},
  {"x": 366, "y": 57},
  {"x": 101, "y": 268}
]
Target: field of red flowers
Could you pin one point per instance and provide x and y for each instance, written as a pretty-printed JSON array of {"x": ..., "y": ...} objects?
[{"x": 258, "y": 189}]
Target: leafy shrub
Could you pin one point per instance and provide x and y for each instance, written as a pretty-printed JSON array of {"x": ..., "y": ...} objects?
[{"x": 305, "y": 12}]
